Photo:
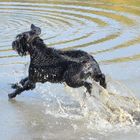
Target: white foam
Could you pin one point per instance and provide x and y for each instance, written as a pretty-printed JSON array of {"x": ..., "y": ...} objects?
[{"x": 107, "y": 110}]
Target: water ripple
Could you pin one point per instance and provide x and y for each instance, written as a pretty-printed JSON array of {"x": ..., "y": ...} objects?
[{"x": 105, "y": 30}]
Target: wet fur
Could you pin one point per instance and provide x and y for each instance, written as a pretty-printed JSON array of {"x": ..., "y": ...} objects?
[{"x": 55, "y": 66}]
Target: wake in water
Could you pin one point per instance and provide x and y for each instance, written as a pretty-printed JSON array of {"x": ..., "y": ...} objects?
[{"x": 115, "y": 108}]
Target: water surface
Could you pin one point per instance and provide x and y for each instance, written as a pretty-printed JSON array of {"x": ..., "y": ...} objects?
[{"x": 107, "y": 29}]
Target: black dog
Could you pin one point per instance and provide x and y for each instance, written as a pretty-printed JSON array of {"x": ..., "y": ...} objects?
[{"x": 56, "y": 66}]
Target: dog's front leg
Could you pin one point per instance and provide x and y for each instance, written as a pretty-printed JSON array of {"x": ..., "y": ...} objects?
[
  {"x": 28, "y": 85},
  {"x": 21, "y": 83}
]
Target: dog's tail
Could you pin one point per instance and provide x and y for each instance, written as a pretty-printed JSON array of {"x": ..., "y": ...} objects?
[{"x": 97, "y": 74}]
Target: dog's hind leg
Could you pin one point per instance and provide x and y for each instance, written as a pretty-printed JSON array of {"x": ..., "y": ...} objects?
[
  {"x": 28, "y": 85},
  {"x": 88, "y": 86},
  {"x": 75, "y": 82},
  {"x": 101, "y": 79},
  {"x": 77, "y": 77},
  {"x": 21, "y": 83}
]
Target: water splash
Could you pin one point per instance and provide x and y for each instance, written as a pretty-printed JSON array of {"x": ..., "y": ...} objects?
[{"x": 105, "y": 110}]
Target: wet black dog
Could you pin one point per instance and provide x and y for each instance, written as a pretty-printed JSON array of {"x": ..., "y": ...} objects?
[{"x": 56, "y": 66}]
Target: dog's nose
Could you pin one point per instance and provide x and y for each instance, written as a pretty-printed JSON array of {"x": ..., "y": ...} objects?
[{"x": 13, "y": 44}]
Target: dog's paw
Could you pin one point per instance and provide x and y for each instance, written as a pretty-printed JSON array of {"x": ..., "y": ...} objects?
[
  {"x": 12, "y": 95},
  {"x": 15, "y": 86}
]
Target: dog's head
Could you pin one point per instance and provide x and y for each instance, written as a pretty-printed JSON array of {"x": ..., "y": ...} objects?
[{"x": 23, "y": 40}]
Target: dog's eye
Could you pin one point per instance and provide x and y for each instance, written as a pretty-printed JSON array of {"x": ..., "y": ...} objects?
[{"x": 25, "y": 36}]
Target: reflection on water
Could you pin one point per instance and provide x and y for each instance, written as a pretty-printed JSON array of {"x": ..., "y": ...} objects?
[{"x": 108, "y": 29}]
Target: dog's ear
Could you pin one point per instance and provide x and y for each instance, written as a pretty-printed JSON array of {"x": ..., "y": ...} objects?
[{"x": 35, "y": 29}]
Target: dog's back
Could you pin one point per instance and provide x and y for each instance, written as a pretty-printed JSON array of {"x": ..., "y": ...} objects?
[{"x": 48, "y": 64}]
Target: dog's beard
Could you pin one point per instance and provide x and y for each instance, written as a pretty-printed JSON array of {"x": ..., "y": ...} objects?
[
  {"x": 22, "y": 53},
  {"x": 21, "y": 50}
]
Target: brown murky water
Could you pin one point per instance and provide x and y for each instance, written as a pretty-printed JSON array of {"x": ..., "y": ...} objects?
[{"x": 109, "y": 30}]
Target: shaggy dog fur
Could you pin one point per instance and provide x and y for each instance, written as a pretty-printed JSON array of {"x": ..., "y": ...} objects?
[{"x": 55, "y": 66}]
